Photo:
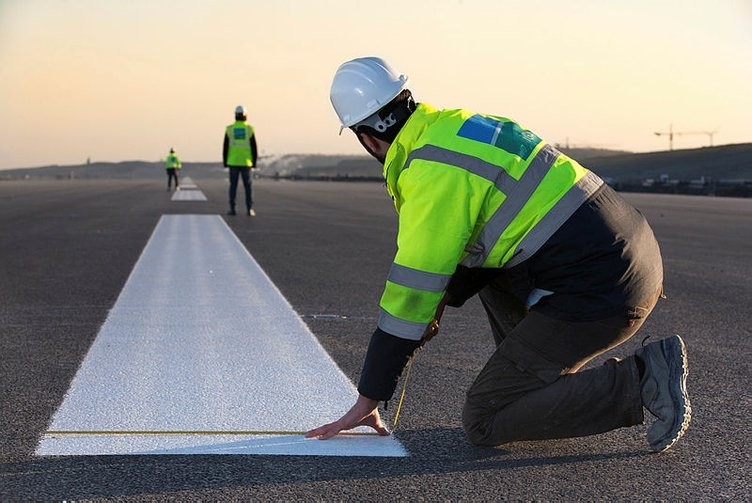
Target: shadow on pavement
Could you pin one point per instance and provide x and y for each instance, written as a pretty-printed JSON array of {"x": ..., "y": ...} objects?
[{"x": 439, "y": 451}]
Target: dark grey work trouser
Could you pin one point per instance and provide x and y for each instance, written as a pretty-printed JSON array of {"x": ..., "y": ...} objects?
[
  {"x": 245, "y": 175},
  {"x": 530, "y": 388},
  {"x": 172, "y": 173}
]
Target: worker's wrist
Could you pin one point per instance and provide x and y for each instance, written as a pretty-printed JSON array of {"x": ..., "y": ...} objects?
[
  {"x": 366, "y": 404},
  {"x": 386, "y": 357}
]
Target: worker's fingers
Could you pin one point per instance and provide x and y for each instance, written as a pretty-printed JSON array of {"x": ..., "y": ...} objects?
[
  {"x": 330, "y": 430},
  {"x": 363, "y": 413},
  {"x": 323, "y": 431}
]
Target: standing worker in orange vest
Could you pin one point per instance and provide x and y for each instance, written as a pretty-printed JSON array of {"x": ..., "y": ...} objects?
[{"x": 239, "y": 155}]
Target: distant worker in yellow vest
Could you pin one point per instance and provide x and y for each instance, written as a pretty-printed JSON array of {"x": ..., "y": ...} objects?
[
  {"x": 565, "y": 268},
  {"x": 239, "y": 155},
  {"x": 172, "y": 166}
]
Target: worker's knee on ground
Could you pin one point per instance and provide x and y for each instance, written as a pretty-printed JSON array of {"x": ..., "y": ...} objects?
[{"x": 477, "y": 423}]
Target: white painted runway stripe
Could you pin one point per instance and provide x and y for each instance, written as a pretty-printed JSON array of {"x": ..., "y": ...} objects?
[
  {"x": 200, "y": 341},
  {"x": 187, "y": 183},
  {"x": 188, "y": 195},
  {"x": 188, "y": 191}
]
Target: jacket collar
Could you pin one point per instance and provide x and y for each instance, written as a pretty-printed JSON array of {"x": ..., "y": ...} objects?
[{"x": 404, "y": 143}]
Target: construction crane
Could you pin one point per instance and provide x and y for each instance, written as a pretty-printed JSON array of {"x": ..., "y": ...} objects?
[{"x": 671, "y": 133}]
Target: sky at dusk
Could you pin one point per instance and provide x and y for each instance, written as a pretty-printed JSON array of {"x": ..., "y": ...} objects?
[{"x": 116, "y": 80}]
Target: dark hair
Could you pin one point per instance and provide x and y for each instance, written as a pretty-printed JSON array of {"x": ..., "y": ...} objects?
[{"x": 398, "y": 110}]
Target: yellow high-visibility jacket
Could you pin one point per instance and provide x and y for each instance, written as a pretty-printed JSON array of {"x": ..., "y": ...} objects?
[
  {"x": 173, "y": 161},
  {"x": 239, "y": 151},
  {"x": 470, "y": 189}
]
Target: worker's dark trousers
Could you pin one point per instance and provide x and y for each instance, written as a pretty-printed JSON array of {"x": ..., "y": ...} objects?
[
  {"x": 244, "y": 174},
  {"x": 172, "y": 173},
  {"x": 530, "y": 388}
]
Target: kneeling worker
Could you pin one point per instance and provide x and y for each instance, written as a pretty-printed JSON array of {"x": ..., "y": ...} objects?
[{"x": 565, "y": 268}]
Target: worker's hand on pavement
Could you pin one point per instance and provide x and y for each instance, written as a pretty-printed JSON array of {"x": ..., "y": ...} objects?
[{"x": 363, "y": 413}]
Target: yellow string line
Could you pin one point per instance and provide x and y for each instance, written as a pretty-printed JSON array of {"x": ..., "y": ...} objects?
[
  {"x": 434, "y": 328},
  {"x": 404, "y": 389},
  {"x": 188, "y": 432}
]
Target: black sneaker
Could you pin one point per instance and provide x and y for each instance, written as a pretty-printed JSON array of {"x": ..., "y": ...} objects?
[
  {"x": 232, "y": 212},
  {"x": 663, "y": 389}
]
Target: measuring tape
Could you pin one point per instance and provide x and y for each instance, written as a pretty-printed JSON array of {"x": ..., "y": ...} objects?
[{"x": 186, "y": 432}]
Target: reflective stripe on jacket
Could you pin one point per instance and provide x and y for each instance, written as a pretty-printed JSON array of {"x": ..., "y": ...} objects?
[
  {"x": 470, "y": 189},
  {"x": 239, "y": 144}
]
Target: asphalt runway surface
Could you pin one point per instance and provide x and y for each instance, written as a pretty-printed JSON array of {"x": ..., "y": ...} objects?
[{"x": 67, "y": 248}]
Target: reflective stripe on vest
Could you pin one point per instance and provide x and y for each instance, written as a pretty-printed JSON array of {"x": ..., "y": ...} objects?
[
  {"x": 401, "y": 328},
  {"x": 551, "y": 221},
  {"x": 420, "y": 280},
  {"x": 416, "y": 279},
  {"x": 519, "y": 192},
  {"x": 474, "y": 165},
  {"x": 519, "y": 189}
]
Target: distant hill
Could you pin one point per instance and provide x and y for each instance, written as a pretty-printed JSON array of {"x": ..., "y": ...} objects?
[
  {"x": 727, "y": 162},
  {"x": 322, "y": 167},
  {"x": 302, "y": 166},
  {"x": 708, "y": 170},
  {"x": 585, "y": 154},
  {"x": 722, "y": 171},
  {"x": 112, "y": 170},
  {"x": 365, "y": 167}
]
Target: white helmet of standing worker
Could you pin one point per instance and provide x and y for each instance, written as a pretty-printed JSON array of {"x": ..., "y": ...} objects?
[
  {"x": 362, "y": 86},
  {"x": 240, "y": 110}
]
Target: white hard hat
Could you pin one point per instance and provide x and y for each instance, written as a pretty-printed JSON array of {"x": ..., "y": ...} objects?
[
  {"x": 361, "y": 87},
  {"x": 240, "y": 110}
]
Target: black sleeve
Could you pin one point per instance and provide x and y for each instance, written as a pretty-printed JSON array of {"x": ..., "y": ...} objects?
[
  {"x": 467, "y": 281},
  {"x": 386, "y": 358},
  {"x": 253, "y": 150},
  {"x": 225, "y": 147}
]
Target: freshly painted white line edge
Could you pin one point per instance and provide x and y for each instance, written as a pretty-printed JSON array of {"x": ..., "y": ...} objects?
[
  {"x": 53, "y": 444},
  {"x": 292, "y": 445}
]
